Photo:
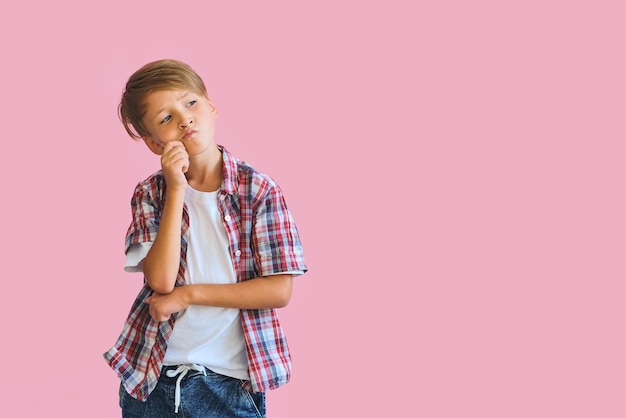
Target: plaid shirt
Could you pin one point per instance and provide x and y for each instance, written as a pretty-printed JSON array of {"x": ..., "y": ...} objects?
[{"x": 263, "y": 241}]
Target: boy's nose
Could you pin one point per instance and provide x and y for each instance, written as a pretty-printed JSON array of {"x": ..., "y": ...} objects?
[{"x": 186, "y": 122}]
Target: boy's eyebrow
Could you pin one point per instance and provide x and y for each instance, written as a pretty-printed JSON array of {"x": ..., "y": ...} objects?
[{"x": 182, "y": 96}]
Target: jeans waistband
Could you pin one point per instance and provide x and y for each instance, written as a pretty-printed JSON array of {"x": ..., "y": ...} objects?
[{"x": 192, "y": 370}]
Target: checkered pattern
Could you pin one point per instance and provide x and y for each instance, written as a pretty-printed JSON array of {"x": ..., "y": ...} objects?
[{"x": 263, "y": 241}]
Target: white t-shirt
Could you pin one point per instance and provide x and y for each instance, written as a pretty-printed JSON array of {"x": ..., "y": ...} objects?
[{"x": 206, "y": 335}]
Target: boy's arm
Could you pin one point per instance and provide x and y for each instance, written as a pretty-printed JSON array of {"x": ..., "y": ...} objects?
[
  {"x": 259, "y": 293},
  {"x": 161, "y": 264},
  {"x": 160, "y": 267}
]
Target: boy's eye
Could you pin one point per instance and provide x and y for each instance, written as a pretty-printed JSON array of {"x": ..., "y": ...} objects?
[
  {"x": 192, "y": 103},
  {"x": 165, "y": 119}
]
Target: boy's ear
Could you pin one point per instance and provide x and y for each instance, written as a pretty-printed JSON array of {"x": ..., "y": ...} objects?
[
  {"x": 153, "y": 145},
  {"x": 213, "y": 108}
]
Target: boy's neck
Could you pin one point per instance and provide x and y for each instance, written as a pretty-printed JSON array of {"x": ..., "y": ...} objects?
[{"x": 206, "y": 175}]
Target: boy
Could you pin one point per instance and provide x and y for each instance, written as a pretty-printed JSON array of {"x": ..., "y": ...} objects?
[{"x": 218, "y": 248}]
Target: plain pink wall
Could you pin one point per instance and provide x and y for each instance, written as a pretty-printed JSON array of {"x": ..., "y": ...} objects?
[{"x": 456, "y": 170}]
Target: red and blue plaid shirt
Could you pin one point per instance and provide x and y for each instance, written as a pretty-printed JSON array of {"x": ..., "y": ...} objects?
[{"x": 263, "y": 241}]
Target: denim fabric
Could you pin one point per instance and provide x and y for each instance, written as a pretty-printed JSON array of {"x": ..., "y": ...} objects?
[{"x": 209, "y": 396}]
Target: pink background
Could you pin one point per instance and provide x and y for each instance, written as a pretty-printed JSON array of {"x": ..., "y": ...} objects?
[{"x": 456, "y": 170}]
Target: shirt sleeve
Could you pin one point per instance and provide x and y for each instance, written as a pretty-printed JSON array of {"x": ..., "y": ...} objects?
[
  {"x": 275, "y": 237},
  {"x": 293, "y": 273},
  {"x": 135, "y": 255},
  {"x": 145, "y": 215}
]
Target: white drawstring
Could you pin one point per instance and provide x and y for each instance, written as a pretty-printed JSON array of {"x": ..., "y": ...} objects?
[{"x": 182, "y": 370}]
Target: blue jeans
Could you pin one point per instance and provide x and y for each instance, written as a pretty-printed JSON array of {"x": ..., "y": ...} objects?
[{"x": 202, "y": 394}]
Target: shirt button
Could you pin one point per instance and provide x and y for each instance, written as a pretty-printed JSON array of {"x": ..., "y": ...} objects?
[
  {"x": 227, "y": 218},
  {"x": 238, "y": 253}
]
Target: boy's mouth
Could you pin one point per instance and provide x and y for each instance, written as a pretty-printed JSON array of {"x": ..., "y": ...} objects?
[{"x": 189, "y": 133}]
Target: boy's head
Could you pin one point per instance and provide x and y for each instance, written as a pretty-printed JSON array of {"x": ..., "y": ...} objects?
[{"x": 158, "y": 75}]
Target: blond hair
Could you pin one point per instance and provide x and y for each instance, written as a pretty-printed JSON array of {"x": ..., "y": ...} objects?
[{"x": 157, "y": 75}]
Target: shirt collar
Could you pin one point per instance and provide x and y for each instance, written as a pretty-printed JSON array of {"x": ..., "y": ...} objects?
[{"x": 230, "y": 180}]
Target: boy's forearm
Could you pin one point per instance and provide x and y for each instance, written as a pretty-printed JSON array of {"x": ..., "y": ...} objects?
[
  {"x": 259, "y": 293},
  {"x": 160, "y": 267}
]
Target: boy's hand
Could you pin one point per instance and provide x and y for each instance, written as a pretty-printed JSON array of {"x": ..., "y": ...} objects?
[
  {"x": 175, "y": 163},
  {"x": 163, "y": 306}
]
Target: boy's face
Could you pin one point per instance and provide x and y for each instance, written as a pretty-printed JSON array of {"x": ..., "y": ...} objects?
[{"x": 179, "y": 115}]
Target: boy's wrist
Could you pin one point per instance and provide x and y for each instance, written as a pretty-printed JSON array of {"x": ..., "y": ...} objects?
[
  {"x": 185, "y": 294},
  {"x": 176, "y": 190},
  {"x": 175, "y": 194}
]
